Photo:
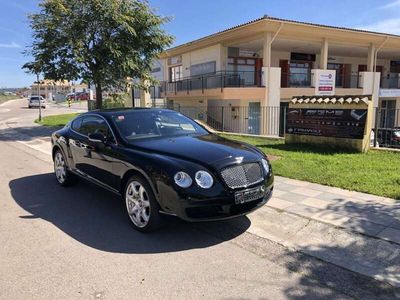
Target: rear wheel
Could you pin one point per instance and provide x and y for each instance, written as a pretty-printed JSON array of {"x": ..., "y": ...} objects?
[
  {"x": 141, "y": 205},
  {"x": 63, "y": 176}
]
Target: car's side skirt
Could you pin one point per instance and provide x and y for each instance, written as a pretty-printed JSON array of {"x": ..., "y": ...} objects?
[{"x": 95, "y": 181}]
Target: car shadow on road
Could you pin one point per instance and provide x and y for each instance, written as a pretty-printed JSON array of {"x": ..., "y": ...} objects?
[
  {"x": 97, "y": 218},
  {"x": 27, "y": 133}
]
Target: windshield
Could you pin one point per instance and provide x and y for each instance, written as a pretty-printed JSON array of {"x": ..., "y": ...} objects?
[
  {"x": 141, "y": 124},
  {"x": 35, "y": 98}
]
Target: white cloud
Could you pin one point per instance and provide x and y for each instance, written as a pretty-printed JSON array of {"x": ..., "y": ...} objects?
[
  {"x": 385, "y": 26},
  {"x": 10, "y": 45},
  {"x": 392, "y": 4}
]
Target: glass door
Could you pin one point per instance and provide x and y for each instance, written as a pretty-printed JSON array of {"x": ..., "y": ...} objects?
[
  {"x": 388, "y": 114},
  {"x": 300, "y": 74}
]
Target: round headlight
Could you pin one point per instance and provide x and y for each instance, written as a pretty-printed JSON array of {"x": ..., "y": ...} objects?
[
  {"x": 204, "y": 179},
  {"x": 265, "y": 166},
  {"x": 183, "y": 180}
]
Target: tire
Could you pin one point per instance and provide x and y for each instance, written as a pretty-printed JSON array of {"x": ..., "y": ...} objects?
[
  {"x": 141, "y": 205},
  {"x": 64, "y": 177}
]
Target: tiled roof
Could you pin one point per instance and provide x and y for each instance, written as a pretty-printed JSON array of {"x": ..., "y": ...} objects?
[
  {"x": 283, "y": 20},
  {"x": 353, "y": 99}
]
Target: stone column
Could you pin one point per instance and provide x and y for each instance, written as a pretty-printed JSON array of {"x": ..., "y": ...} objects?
[
  {"x": 323, "y": 63},
  {"x": 267, "y": 50},
  {"x": 371, "y": 58}
]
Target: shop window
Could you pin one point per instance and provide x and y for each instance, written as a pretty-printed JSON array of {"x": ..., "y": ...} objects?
[
  {"x": 300, "y": 74},
  {"x": 203, "y": 68}
]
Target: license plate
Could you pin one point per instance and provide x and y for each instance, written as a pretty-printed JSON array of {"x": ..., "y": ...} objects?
[{"x": 249, "y": 195}]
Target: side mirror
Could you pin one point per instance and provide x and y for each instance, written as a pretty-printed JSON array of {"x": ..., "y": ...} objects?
[{"x": 97, "y": 138}]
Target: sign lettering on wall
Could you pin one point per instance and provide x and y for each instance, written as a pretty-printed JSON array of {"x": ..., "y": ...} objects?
[{"x": 339, "y": 123}]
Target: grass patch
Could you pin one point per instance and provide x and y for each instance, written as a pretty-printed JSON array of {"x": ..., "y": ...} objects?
[
  {"x": 4, "y": 98},
  {"x": 56, "y": 120},
  {"x": 375, "y": 172}
]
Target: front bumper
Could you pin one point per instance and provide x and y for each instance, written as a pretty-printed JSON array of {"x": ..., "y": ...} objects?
[{"x": 210, "y": 209}]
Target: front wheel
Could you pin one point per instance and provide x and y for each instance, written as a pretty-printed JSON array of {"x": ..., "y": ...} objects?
[{"x": 141, "y": 205}]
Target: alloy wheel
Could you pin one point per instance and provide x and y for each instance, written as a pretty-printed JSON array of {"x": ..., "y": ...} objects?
[
  {"x": 60, "y": 167},
  {"x": 137, "y": 204}
]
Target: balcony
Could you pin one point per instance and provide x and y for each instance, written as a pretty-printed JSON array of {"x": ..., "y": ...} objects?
[
  {"x": 214, "y": 81},
  {"x": 392, "y": 81},
  {"x": 303, "y": 80}
]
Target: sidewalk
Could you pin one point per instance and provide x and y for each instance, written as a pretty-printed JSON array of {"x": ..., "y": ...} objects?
[{"x": 363, "y": 213}]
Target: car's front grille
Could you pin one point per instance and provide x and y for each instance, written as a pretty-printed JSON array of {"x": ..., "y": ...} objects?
[{"x": 242, "y": 175}]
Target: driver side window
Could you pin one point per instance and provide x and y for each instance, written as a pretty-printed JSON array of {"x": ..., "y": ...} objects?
[{"x": 94, "y": 124}]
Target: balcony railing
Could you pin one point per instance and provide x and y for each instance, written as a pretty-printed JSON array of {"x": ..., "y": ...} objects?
[
  {"x": 392, "y": 81},
  {"x": 303, "y": 80},
  {"x": 218, "y": 80}
]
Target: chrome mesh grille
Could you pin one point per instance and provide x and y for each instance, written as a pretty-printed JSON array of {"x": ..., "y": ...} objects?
[{"x": 242, "y": 175}]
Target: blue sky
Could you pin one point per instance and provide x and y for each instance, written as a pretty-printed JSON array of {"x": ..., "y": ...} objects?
[{"x": 193, "y": 19}]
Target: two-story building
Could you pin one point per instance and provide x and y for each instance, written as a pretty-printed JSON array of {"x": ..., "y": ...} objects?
[
  {"x": 56, "y": 90},
  {"x": 241, "y": 79}
]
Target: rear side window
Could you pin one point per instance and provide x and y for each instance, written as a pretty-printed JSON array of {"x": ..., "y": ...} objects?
[{"x": 76, "y": 125}]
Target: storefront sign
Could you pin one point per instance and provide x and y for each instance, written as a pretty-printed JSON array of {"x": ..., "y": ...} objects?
[
  {"x": 246, "y": 53},
  {"x": 389, "y": 92},
  {"x": 338, "y": 123},
  {"x": 324, "y": 82},
  {"x": 294, "y": 56}
]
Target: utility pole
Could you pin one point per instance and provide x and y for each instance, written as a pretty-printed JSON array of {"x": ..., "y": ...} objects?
[{"x": 40, "y": 99}]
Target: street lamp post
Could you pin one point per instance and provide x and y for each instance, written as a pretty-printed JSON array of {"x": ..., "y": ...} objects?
[{"x": 40, "y": 100}]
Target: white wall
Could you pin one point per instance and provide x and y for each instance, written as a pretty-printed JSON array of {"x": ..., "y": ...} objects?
[{"x": 212, "y": 53}]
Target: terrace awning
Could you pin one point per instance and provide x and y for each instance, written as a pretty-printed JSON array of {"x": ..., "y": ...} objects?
[{"x": 354, "y": 99}]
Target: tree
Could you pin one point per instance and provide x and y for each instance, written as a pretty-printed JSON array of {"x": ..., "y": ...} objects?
[{"x": 103, "y": 42}]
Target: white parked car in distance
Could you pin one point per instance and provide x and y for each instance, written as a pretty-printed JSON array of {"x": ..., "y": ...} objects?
[{"x": 36, "y": 101}]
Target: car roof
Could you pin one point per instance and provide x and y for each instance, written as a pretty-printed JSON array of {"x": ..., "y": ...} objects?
[{"x": 112, "y": 111}]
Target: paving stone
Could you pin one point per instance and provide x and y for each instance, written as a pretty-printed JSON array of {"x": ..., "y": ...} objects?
[
  {"x": 318, "y": 203},
  {"x": 390, "y": 234},
  {"x": 296, "y": 182},
  {"x": 332, "y": 197},
  {"x": 378, "y": 218},
  {"x": 395, "y": 224},
  {"x": 363, "y": 226},
  {"x": 389, "y": 201},
  {"x": 279, "y": 203},
  {"x": 278, "y": 192},
  {"x": 296, "y": 198},
  {"x": 303, "y": 210},
  {"x": 368, "y": 197},
  {"x": 318, "y": 187},
  {"x": 330, "y": 217},
  {"x": 306, "y": 192},
  {"x": 285, "y": 187},
  {"x": 339, "y": 191}
]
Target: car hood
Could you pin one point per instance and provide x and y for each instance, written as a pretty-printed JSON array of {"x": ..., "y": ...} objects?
[{"x": 207, "y": 149}]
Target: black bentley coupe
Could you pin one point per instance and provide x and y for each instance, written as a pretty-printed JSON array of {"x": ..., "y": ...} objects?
[{"x": 162, "y": 162}]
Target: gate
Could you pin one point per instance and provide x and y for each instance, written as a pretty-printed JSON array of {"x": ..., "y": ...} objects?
[{"x": 387, "y": 125}]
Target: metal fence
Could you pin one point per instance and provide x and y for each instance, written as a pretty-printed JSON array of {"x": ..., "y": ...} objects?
[
  {"x": 303, "y": 80},
  {"x": 387, "y": 127},
  {"x": 215, "y": 80},
  {"x": 252, "y": 119}
]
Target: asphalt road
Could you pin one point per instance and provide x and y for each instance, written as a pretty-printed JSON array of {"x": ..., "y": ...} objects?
[{"x": 78, "y": 243}]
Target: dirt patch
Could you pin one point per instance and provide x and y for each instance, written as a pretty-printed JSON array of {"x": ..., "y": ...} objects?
[{"x": 273, "y": 157}]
